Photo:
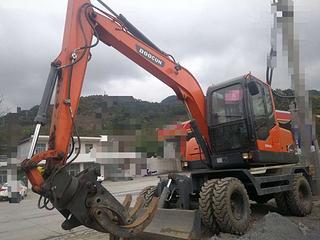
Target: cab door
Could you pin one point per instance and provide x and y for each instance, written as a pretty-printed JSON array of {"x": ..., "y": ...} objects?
[{"x": 264, "y": 121}]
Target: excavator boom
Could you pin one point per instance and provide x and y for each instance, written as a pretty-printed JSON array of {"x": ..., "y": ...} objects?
[{"x": 81, "y": 199}]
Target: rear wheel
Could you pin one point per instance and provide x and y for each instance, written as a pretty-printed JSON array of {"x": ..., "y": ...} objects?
[
  {"x": 282, "y": 204},
  {"x": 206, "y": 205},
  {"x": 231, "y": 206},
  {"x": 299, "y": 199}
]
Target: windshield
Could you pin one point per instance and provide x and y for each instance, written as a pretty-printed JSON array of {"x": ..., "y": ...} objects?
[{"x": 227, "y": 104}]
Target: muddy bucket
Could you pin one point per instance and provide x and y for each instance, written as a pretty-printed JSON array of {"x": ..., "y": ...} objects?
[{"x": 173, "y": 224}]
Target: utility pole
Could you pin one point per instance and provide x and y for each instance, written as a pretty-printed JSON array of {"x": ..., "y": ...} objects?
[{"x": 283, "y": 13}]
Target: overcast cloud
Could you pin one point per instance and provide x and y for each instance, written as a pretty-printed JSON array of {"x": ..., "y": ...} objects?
[{"x": 215, "y": 40}]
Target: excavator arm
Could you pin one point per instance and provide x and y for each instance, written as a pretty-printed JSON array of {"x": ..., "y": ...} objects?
[{"x": 81, "y": 199}]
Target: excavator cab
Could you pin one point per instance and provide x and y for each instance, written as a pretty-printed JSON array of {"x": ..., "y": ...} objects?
[{"x": 243, "y": 128}]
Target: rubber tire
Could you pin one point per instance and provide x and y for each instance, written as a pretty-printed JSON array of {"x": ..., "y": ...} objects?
[
  {"x": 206, "y": 205},
  {"x": 282, "y": 204},
  {"x": 299, "y": 206},
  {"x": 147, "y": 193},
  {"x": 225, "y": 218}
]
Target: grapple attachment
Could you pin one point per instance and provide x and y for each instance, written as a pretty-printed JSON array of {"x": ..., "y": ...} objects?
[
  {"x": 84, "y": 201},
  {"x": 111, "y": 222}
]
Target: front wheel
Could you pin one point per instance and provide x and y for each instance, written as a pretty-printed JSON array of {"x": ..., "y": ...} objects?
[
  {"x": 206, "y": 206},
  {"x": 282, "y": 203},
  {"x": 231, "y": 206}
]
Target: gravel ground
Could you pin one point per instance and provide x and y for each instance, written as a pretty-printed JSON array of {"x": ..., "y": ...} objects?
[
  {"x": 275, "y": 226},
  {"x": 267, "y": 224}
]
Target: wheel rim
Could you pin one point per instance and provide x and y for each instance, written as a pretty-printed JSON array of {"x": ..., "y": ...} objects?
[{"x": 237, "y": 203}]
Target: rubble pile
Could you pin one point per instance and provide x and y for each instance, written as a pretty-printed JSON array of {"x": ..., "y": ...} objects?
[{"x": 274, "y": 226}]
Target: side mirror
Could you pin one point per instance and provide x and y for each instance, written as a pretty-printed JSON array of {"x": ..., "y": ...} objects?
[{"x": 253, "y": 88}]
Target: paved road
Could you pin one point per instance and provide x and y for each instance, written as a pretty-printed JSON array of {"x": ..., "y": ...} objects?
[{"x": 26, "y": 221}]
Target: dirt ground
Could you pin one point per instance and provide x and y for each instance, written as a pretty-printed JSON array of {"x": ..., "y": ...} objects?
[
  {"x": 268, "y": 224},
  {"x": 26, "y": 221}
]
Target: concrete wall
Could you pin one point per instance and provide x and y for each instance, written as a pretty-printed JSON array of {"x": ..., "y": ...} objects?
[
  {"x": 169, "y": 149},
  {"x": 161, "y": 165},
  {"x": 121, "y": 165},
  {"x": 122, "y": 169}
]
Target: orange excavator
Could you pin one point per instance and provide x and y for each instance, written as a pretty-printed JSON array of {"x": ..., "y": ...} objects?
[{"x": 247, "y": 155}]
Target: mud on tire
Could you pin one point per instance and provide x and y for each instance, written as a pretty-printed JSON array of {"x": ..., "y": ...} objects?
[
  {"x": 231, "y": 206},
  {"x": 299, "y": 199},
  {"x": 281, "y": 200},
  {"x": 206, "y": 205}
]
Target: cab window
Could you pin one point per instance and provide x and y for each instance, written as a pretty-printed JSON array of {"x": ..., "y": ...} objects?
[
  {"x": 227, "y": 104},
  {"x": 258, "y": 106},
  {"x": 268, "y": 101},
  {"x": 263, "y": 111}
]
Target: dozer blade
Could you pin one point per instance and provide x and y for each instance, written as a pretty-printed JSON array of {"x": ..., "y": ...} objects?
[{"x": 173, "y": 224}]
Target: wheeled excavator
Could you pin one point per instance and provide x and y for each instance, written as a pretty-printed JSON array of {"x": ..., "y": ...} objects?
[{"x": 246, "y": 154}]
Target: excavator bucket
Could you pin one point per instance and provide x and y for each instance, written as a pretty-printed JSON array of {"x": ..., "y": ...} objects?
[
  {"x": 173, "y": 224},
  {"x": 170, "y": 222}
]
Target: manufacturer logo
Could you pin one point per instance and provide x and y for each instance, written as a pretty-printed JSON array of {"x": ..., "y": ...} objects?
[{"x": 146, "y": 54}]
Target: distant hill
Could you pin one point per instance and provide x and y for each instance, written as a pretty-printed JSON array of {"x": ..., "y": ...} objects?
[
  {"x": 118, "y": 115},
  {"x": 97, "y": 115},
  {"x": 171, "y": 100}
]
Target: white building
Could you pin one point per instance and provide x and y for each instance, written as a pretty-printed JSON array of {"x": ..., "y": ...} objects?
[
  {"x": 113, "y": 156},
  {"x": 3, "y": 168}
]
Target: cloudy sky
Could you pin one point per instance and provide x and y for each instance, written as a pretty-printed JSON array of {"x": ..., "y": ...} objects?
[{"x": 215, "y": 40}]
